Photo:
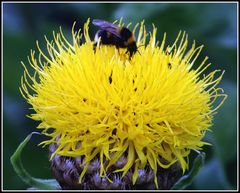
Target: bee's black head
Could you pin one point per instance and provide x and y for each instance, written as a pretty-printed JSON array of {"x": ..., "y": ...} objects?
[{"x": 132, "y": 48}]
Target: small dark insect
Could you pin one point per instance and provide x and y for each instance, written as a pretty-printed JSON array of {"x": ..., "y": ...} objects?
[{"x": 112, "y": 34}]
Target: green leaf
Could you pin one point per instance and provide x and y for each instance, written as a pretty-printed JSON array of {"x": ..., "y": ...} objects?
[
  {"x": 212, "y": 177},
  {"x": 186, "y": 180},
  {"x": 36, "y": 183}
]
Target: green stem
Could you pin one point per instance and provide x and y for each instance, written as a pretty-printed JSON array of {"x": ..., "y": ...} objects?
[
  {"x": 186, "y": 180},
  {"x": 47, "y": 184}
]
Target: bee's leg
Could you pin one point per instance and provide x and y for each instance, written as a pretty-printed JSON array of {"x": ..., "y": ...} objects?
[
  {"x": 94, "y": 47},
  {"x": 130, "y": 54},
  {"x": 118, "y": 49}
]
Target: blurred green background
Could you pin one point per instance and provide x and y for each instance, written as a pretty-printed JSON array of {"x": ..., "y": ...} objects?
[{"x": 211, "y": 24}]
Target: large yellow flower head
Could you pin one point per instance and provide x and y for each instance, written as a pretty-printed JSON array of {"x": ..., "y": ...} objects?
[{"x": 154, "y": 107}]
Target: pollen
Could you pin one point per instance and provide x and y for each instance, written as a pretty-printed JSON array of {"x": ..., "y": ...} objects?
[{"x": 155, "y": 107}]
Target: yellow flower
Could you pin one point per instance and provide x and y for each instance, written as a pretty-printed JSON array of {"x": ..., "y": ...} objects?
[{"x": 155, "y": 107}]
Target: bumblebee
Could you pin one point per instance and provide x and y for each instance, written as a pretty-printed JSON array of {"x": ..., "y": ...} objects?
[{"x": 112, "y": 34}]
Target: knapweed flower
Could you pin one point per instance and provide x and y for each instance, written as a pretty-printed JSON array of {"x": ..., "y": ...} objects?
[{"x": 118, "y": 114}]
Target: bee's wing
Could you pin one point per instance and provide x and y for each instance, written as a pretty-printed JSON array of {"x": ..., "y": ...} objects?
[{"x": 105, "y": 25}]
